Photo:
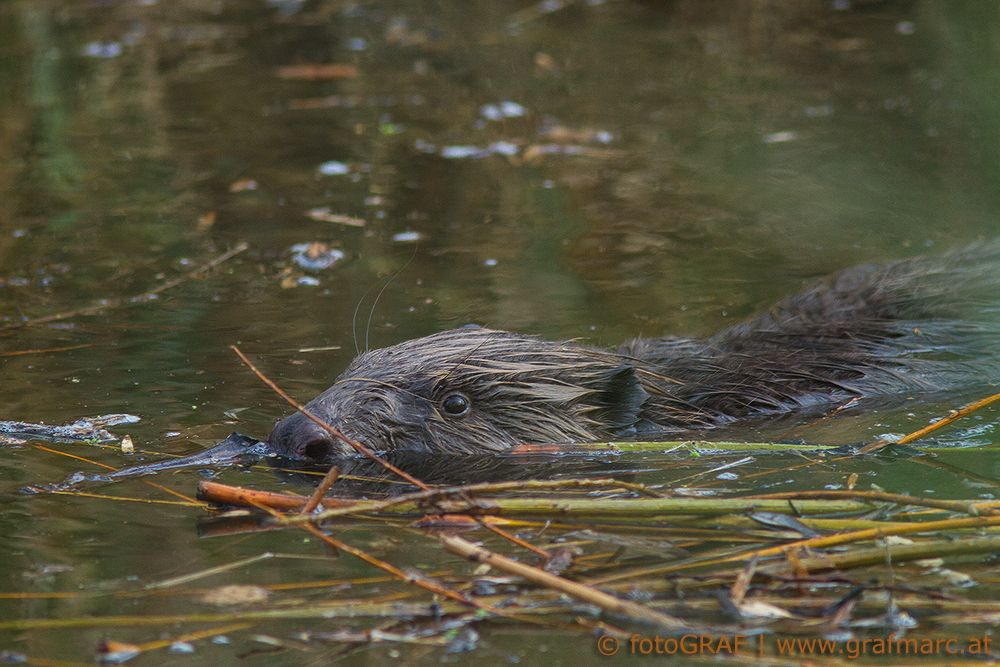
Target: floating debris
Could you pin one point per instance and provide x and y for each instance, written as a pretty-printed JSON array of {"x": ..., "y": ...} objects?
[
  {"x": 82, "y": 430},
  {"x": 102, "y": 50},
  {"x": 110, "y": 652},
  {"x": 318, "y": 72},
  {"x": 387, "y": 128},
  {"x": 407, "y": 237},
  {"x": 505, "y": 109},
  {"x": 461, "y": 152},
  {"x": 243, "y": 184},
  {"x": 234, "y": 594},
  {"x": 333, "y": 168},
  {"x": 546, "y": 63},
  {"x": 512, "y": 109},
  {"x": 424, "y": 147},
  {"x": 535, "y": 152},
  {"x": 324, "y": 214},
  {"x": 504, "y": 148},
  {"x": 490, "y": 112},
  {"x": 206, "y": 221},
  {"x": 181, "y": 647},
  {"x": 569, "y": 135},
  {"x": 316, "y": 256},
  {"x": 350, "y": 101},
  {"x": 820, "y": 111},
  {"x": 779, "y": 137}
]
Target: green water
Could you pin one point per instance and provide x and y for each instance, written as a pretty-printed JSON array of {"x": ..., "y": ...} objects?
[{"x": 676, "y": 167}]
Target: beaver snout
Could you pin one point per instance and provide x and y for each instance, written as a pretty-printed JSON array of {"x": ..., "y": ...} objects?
[{"x": 300, "y": 438}]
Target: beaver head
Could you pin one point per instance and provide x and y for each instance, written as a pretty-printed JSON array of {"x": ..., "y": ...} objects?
[{"x": 468, "y": 390}]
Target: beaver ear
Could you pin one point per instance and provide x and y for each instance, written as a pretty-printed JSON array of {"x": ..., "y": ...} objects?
[{"x": 620, "y": 396}]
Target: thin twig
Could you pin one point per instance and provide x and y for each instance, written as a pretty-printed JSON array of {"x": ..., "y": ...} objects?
[
  {"x": 944, "y": 421},
  {"x": 324, "y": 486},
  {"x": 541, "y": 553},
  {"x": 415, "y": 580},
  {"x": 115, "y": 303}
]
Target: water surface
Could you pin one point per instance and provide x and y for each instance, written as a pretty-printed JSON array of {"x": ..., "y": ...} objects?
[{"x": 573, "y": 170}]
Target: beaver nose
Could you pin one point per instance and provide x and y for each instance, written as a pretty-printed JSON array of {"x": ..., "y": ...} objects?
[{"x": 298, "y": 437}]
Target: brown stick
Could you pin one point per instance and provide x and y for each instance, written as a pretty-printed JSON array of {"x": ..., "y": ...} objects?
[
  {"x": 609, "y": 603},
  {"x": 213, "y": 492},
  {"x": 317, "y": 496},
  {"x": 230, "y": 495}
]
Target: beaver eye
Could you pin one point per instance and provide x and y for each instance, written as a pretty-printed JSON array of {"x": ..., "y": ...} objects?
[{"x": 456, "y": 405}]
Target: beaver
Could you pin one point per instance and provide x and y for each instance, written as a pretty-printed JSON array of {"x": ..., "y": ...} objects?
[{"x": 911, "y": 326}]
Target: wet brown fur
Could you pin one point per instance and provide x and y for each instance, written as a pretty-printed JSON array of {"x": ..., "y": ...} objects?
[{"x": 918, "y": 325}]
